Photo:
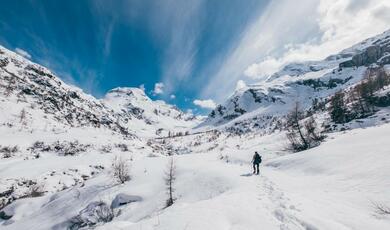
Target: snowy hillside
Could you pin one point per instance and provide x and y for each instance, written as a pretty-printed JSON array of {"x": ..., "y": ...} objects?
[
  {"x": 33, "y": 98},
  {"x": 310, "y": 82},
  {"x": 71, "y": 161},
  {"x": 335, "y": 186},
  {"x": 145, "y": 116}
]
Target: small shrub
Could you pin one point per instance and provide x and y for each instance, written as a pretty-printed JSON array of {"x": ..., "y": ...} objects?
[
  {"x": 69, "y": 148},
  {"x": 122, "y": 147},
  {"x": 8, "y": 151},
  {"x": 23, "y": 117},
  {"x": 120, "y": 168},
  {"x": 39, "y": 146},
  {"x": 106, "y": 149},
  {"x": 64, "y": 148}
]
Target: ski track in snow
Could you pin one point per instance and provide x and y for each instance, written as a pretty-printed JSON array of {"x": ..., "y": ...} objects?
[{"x": 275, "y": 200}]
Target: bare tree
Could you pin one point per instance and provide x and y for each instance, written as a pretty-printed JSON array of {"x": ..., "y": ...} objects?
[
  {"x": 295, "y": 129},
  {"x": 170, "y": 177},
  {"x": 302, "y": 135},
  {"x": 313, "y": 134},
  {"x": 120, "y": 169},
  {"x": 363, "y": 94},
  {"x": 23, "y": 116}
]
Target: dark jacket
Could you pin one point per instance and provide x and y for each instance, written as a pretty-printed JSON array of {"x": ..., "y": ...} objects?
[{"x": 256, "y": 159}]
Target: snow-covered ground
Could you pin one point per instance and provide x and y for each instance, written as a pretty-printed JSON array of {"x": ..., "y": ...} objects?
[
  {"x": 333, "y": 186},
  {"x": 58, "y": 146}
]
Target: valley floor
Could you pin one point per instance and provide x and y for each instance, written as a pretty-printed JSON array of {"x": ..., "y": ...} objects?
[{"x": 333, "y": 186}]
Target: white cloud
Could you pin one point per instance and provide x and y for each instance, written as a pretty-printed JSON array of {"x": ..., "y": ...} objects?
[
  {"x": 142, "y": 87},
  {"x": 240, "y": 85},
  {"x": 190, "y": 111},
  {"x": 23, "y": 53},
  {"x": 285, "y": 33},
  {"x": 172, "y": 96},
  {"x": 263, "y": 69},
  {"x": 206, "y": 104},
  {"x": 158, "y": 88}
]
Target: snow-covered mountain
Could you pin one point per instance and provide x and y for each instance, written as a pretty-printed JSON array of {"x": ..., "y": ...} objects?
[
  {"x": 259, "y": 105},
  {"x": 141, "y": 114},
  {"x": 34, "y": 98}
]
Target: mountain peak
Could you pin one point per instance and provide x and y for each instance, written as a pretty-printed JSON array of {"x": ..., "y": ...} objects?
[{"x": 129, "y": 92}]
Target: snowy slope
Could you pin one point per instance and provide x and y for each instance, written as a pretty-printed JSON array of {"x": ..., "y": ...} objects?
[
  {"x": 33, "y": 98},
  {"x": 42, "y": 120},
  {"x": 301, "y": 82},
  {"x": 330, "y": 187},
  {"x": 47, "y": 103},
  {"x": 145, "y": 116}
]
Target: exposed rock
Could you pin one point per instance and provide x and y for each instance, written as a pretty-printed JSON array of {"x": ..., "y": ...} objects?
[
  {"x": 370, "y": 55},
  {"x": 122, "y": 199},
  {"x": 96, "y": 212}
]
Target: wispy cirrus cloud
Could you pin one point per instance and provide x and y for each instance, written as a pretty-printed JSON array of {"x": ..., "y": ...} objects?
[
  {"x": 311, "y": 32},
  {"x": 22, "y": 53},
  {"x": 176, "y": 26}
]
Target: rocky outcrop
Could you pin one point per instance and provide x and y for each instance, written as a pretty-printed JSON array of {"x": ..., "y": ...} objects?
[
  {"x": 377, "y": 53},
  {"x": 123, "y": 199}
]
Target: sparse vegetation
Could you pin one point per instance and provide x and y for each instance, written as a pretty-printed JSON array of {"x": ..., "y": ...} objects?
[
  {"x": 69, "y": 148},
  {"x": 338, "y": 110},
  {"x": 106, "y": 148},
  {"x": 9, "y": 88},
  {"x": 170, "y": 177},
  {"x": 65, "y": 148},
  {"x": 122, "y": 147},
  {"x": 302, "y": 134},
  {"x": 360, "y": 101},
  {"x": 23, "y": 117},
  {"x": 120, "y": 168},
  {"x": 8, "y": 151}
]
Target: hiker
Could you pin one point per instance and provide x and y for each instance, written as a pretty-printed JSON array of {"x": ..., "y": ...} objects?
[{"x": 256, "y": 162}]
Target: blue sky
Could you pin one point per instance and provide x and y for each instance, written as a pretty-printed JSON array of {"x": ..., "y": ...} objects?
[{"x": 197, "y": 50}]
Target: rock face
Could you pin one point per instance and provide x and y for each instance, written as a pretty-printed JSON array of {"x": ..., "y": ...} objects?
[
  {"x": 123, "y": 199},
  {"x": 378, "y": 52},
  {"x": 243, "y": 101},
  {"x": 96, "y": 212}
]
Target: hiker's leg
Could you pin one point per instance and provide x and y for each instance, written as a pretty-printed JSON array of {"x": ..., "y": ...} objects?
[
  {"x": 254, "y": 168},
  {"x": 257, "y": 167}
]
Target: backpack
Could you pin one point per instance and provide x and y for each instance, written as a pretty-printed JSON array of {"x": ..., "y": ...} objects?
[{"x": 257, "y": 158}]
